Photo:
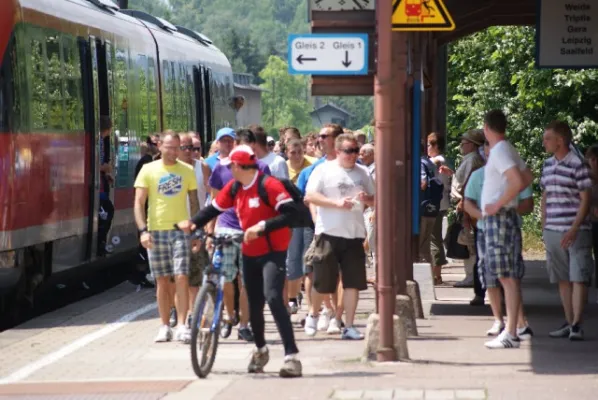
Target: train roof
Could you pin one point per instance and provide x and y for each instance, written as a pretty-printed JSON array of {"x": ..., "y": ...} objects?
[{"x": 97, "y": 16}]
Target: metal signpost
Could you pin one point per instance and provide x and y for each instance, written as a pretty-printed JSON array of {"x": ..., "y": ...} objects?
[{"x": 328, "y": 54}]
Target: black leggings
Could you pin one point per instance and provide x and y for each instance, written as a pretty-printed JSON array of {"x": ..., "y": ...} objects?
[{"x": 264, "y": 281}]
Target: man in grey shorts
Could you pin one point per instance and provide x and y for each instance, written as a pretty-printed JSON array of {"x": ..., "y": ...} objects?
[{"x": 567, "y": 231}]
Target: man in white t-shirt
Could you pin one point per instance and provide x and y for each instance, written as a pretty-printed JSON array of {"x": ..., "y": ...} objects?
[
  {"x": 340, "y": 190},
  {"x": 505, "y": 176},
  {"x": 277, "y": 164}
]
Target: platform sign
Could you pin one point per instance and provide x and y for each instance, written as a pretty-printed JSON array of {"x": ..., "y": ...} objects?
[
  {"x": 421, "y": 15},
  {"x": 328, "y": 54},
  {"x": 567, "y": 34}
]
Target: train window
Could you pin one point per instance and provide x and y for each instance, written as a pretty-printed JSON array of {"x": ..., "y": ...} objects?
[
  {"x": 54, "y": 82},
  {"x": 191, "y": 100},
  {"x": 73, "y": 99},
  {"x": 38, "y": 88},
  {"x": 121, "y": 92},
  {"x": 183, "y": 103},
  {"x": 143, "y": 97},
  {"x": 153, "y": 98},
  {"x": 167, "y": 95}
]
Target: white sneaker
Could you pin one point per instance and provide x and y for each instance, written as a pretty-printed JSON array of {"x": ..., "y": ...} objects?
[
  {"x": 496, "y": 329},
  {"x": 311, "y": 325},
  {"x": 324, "y": 320},
  {"x": 351, "y": 333},
  {"x": 182, "y": 334},
  {"x": 334, "y": 328},
  {"x": 164, "y": 334},
  {"x": 503, "y": 341}
]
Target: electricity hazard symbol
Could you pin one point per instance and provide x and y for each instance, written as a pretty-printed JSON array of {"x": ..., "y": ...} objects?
[{"x": 421, "y": 15}]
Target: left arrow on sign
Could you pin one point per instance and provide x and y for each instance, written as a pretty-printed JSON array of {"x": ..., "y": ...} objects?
[{"x": 300, "y": 59}]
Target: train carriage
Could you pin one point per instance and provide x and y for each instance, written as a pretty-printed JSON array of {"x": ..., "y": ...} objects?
[{"x": 63, "y": 64}]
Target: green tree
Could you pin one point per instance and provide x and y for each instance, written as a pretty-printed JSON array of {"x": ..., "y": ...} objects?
[{"x": 284, "y": 100}]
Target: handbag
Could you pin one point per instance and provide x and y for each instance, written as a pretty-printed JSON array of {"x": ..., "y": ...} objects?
[{"x": 454, "y": 249}]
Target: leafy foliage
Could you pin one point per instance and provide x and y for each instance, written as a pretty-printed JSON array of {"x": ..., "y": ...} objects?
[{"x": 284, "y": 98}]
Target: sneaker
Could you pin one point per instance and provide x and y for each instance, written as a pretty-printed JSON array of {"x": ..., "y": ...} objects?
[
  {"x": 164, "y": 334},
  {"x": 259, "y": 359},
  {"x": 311, "y": 325},
  {"x": 351, "y": 333},
  {"x": 245, "y": 334},
  {"x": 334, "y": 327},
  {"x": 496, "y": 329},
  {"x": 226, "y": 329},
  {"x": 293, "y": 307},
  {"x": 525, "y": 333},
  {"x": 291, "y": 368},
  {"x": 182, "y": 334},
  {"x": 503, "y": 341},
  {"x": 323, "y": 321},
  {"x": 576, "y": 333},
  {"x": 465, "y": 283},
  {"x": 563, "y": 332},
  {"x": 173, "y": 317},
  {"x": 477, "y": 301}
]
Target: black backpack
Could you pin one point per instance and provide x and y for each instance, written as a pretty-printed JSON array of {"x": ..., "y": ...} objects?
[
  {"x": 303, "y": 220},
  {"x": 431, "y": 197}
]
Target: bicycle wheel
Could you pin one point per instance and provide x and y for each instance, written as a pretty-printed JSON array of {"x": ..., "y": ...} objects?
[{"x": 204, "y": 342}]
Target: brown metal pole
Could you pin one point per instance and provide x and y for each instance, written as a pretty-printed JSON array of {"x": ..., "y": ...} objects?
[{"x": 385, "y": 123}]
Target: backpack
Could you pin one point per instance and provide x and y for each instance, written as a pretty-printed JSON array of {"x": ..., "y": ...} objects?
[
  {"x": 304, "y": 219},
  {"x": 431, "y": 197}
]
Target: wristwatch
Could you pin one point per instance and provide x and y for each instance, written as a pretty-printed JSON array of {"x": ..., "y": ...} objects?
[{"x": 142, "y": 230}]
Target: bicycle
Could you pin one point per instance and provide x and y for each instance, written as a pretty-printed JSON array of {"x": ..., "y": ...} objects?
[{"x": 211, "y": 290}]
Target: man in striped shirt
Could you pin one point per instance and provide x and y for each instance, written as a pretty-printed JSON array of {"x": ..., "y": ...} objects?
[{"x": 567, "y": 231}]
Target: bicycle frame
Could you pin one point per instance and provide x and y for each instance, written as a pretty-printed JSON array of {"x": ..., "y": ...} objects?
[{"x": 219, "y": 284}]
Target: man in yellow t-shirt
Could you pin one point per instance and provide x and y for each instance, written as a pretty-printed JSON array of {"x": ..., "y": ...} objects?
[{"x": 167, "y": 184}]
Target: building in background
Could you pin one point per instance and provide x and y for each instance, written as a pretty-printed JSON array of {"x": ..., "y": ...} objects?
[
  {"x": 329, "y": 113},
  {"x": 251, "y": 111}
]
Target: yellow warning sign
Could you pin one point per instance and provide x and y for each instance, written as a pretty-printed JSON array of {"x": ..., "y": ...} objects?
[{"x": 421, "y": 15}]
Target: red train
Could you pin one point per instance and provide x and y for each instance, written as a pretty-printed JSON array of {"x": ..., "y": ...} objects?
[{"x": 63, "y": 63}]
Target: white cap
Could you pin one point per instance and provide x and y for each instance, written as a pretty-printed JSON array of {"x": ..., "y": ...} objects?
[{"x": 270, "y": 139}]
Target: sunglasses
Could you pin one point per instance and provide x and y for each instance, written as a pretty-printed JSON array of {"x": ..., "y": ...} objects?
[
  {"x": 271, "y": 143},
  {"x": 351, "y": 150},
  {"x": 188, "y": 147},
  {"x": 197, "y": 149},
  {"x": 324, "y": 136}
]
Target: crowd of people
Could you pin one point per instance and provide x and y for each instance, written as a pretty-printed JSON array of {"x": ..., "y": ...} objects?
[
  {"x": 243, "y": 186},
  {"x": 490, "y": 191},
  {"x": 252, "y": 185}
]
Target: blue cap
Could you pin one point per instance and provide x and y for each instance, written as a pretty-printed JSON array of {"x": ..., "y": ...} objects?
[{"x": 230, "y": 132}]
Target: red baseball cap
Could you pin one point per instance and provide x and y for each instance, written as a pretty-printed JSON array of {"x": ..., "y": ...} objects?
[{"x": 241, "y": 155}]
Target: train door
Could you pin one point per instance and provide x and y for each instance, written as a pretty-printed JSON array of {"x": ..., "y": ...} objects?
[
  {"x": 200, "y": 107},
  {"x": 97, "y": 100},
  {"x": 207, "y": 83}
]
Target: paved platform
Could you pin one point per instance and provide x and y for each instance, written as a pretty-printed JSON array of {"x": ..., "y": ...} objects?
[{"x": 102, "y": 348}]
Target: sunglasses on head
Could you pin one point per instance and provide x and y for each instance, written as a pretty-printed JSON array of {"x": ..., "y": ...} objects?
[
  {"x": 187, "y": 147},
  {"x": 351, "y": 150}
]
